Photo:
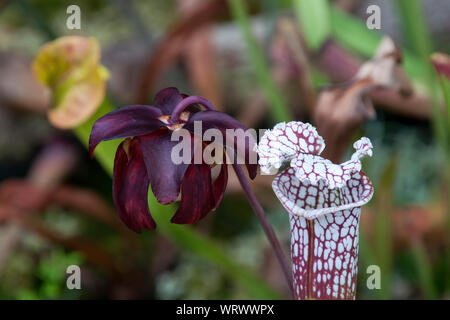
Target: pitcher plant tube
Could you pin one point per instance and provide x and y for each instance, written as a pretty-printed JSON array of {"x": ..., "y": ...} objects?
[{"x": 324, "y": 203}]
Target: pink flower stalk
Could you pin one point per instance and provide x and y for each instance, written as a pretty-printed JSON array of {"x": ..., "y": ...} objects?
[
  {"x": 324, "y": 202},
  {"x": 441, "y": 63}
]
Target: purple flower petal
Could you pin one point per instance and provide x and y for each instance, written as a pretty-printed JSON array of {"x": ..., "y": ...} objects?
[
  {"x": 197, "y": 198},
  {"x": 165, "y": 176},
  {"x": 123, "y": 123},
  {"x": 167, "y": 99},
  {"x": 130, "y": 187},
  {"x": 219, "y": 185},
  {"x": 221, "y": 121}
]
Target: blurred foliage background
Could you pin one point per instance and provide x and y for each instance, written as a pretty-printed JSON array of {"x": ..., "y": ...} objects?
[{"x": 263, "y": 62}]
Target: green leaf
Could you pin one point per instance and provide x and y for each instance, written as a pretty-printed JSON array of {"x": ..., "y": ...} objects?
[
  {"x": 424, "y": 271},
  {"x": 106, "y": 150},
  {"x": 442, "y": 117},
  {"x": 445, "y": 121},
  {"x": 445, "y": 84},
  {"x": 186, "y": 238},
  {"x": 383, "y": 227},
  {"x": 314, "y": 19},
  {"x": 416, "y": 31},
  {"x": 415, "y": 27},
  {"x": 276, "y": 101}
]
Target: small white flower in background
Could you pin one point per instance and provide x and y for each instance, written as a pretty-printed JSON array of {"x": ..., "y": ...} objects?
[{"x": 324, "y": 201}]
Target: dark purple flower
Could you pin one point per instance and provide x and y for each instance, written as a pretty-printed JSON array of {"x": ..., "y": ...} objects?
[{"x": 145, "y": 157}]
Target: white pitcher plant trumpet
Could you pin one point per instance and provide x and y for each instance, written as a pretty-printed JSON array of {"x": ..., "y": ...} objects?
[{"x": 324, "y": 202}]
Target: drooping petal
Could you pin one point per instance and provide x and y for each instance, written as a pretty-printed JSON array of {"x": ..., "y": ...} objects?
[
  {"x": 315, "y": 168},
  {"x": 123, "y": 123},
  {"x": 165, "y": 176},
  {"x": 219, "y": 185},
  {"x": 197, "y": 198},
  {"x": 324, "y": 233},
  {"x": 242, "y": 144},
  {"x": 286, "y": 141},
  {"x": 167, "y": 99},
  {"x": 130, "y": 187}
]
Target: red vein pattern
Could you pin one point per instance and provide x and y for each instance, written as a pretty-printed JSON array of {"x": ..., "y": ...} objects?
[
  {"x": 324, "y": 247},
  {"x": 324, "y": 202},
  {"x": 314, "y": 168},
  {"x": 285, "y": 141}
]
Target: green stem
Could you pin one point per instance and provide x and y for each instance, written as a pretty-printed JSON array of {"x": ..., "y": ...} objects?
[
  {"x": 314, "y": 19},
  {"x": 446, "y": 92},
  {"x": 415, "y": 27},
  {"x": 270, "y": 233},
  {"x": 424, "y": 270}
]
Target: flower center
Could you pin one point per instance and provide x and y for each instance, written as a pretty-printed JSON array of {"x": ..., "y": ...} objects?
[
  {"x": 166, "y": 119},
  {"x": 186, "y": 102}
]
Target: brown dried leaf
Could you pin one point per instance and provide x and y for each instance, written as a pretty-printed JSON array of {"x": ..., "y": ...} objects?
[
  {"x": 385, "y": 69},
  {"x": 341, "y": 109}
]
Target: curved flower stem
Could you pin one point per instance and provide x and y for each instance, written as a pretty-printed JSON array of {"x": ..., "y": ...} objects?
[
  {"x": 259, "y": 212},
  {"x": 186, "y": 102}
]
